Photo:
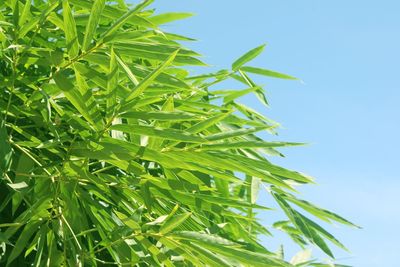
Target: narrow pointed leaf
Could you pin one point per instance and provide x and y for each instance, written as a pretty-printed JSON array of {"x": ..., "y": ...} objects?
[
  {"x": 5, "y": 150},
  {"x": 127, "y": 70},
  {"x": 91, "y": 26},
  {"x": 170, "y": 134},
  {"x": 235, "y": 133},
  {"x": 150, "y": 78},
  {"x": 246, "y": 144},
  {"x": 74, "y": 96},
  {"x": 169, "y": 17},
  {"x": 159, "y": 115},
  {"x": 268, "y": 73},
  {"x": 112, "y": 84},
  {"x": 122, "y": 20},
  {"x": 247, "y": 57},
  {"x": 174, "y": 222},
  {"x": 203, "y": 125},
  {"x": 71, "y": 36}
]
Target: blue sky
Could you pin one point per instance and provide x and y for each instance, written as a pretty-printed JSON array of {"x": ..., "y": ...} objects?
[{"x": 348, "y": 55}]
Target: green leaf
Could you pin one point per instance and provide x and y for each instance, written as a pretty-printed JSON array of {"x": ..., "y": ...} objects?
[
  {"x": 230, "y": 249},
  {"x": 210, "y": 258},
  {"x": 35, "y": 21},
  {"x": 254, "y": 189},
  {"x": 228, "y": 201},
  {"x": 5, "y": 150},
  {"x": 160, "y": 115},
  {"x": 147, "y": 196},
  {"x": 246, "y": 144},
  {"x": 23, "y": 240},
  {"x": 204, "y": 238},
  {"x": 15, "y": 8},
  {"x": 6, "y": 24},
  {"x": 169, "y": 134},
  {"x": 92, "y": 24},
  {"x": 71, "y": 36},
  {"x": 127, "y": 220},
  {"x": 317, "y": 211},
  {"x": 205, "y": 124},
  {"x": 324, "y": 233},
  {"x": 132, "y": 51},
  {"x": 160, "y": 48},
  {"x": 235, "y": 133},
  {"x": 74, "y": 96},
  {"x": 126, "y": 69},
  {"x": 122, "y": 20},
  {"x": 268, "y": 73},
  {"x": 169, "y": 17},
  {"x": 150, "y": 78},
  {"x": 112, "y": 84},
  {"x": 247, "y": 57},
  {"x": 25, "y": 13},
  {"x": 239, "y": 93},
  {"x": 301, "y": 224},
  {"x": 173, "y": 222},
  {"x": 259, "y": 92}
]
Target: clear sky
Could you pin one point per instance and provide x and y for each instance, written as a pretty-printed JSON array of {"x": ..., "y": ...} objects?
[{"x": 348, "y": 55}]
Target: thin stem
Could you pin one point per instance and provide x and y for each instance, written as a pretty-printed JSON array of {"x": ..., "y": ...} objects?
[
  {"x": 72, "y": 231},
  {"x": 80, "y": 56}
]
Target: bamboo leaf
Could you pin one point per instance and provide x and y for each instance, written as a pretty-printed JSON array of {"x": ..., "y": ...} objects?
[
  {"x": 23, "y": 240},
  {"x": 230, "y": 249},
  {"x": 5, "y": 150},
  {"x": 25, "y": 13},
  {"x": 317, "y": 211},
  {"x": 236, "y": 94},
  {"x": 112, "y": 84},
  {"x": 128, "y": 72},
  {"x": 160, "y": 115},
  {"x": 122, "y": 20},
  {"x": 71, "y": 36},
  {"x": 73, "y": 95},
  {"x": 127, "y": 221},
  {"x": 235, "y": 133},
  {"x": 268, "y": 73},
  {"x": 246, "y": 144},
  {"x": 205, "y": 124},
  {"x": 91, "y": 26},
  {"x": 6, "y": 24},
  {"x": 255, "y": 188},
  {"x": 150, "y": 78},
  {"x": 247, "y": 57},
  {"x": 173, "y": 222},
  {"x": 169, "y": 17},
  {"x": 170, "y": 134}
]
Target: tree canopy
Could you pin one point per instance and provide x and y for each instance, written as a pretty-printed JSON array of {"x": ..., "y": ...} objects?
[{"x": 113, "y": 153}]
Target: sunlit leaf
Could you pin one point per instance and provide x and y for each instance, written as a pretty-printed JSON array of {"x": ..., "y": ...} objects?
[
  {"x": 248, "y": 56},
  {"x": 268, "y": 73}
]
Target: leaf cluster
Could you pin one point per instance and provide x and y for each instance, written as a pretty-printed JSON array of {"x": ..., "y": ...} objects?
[{"x": 112, "y": 153}]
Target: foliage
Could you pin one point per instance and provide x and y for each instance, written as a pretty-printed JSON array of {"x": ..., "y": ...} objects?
[{"x": 111, "y": 153}]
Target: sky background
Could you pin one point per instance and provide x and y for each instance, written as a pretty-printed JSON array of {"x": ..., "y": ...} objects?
[{"x": 347, "y": 53}]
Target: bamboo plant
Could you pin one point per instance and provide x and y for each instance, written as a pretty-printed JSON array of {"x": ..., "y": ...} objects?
[{"x": 113, "y": 153}]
